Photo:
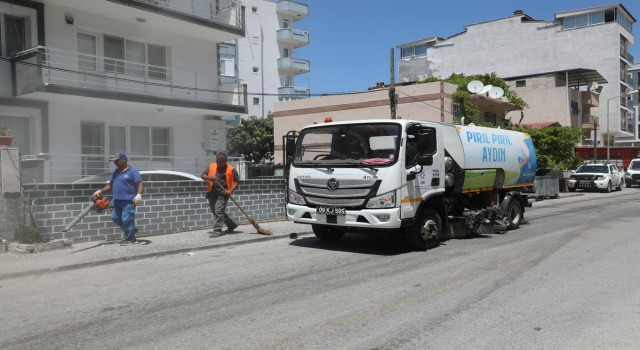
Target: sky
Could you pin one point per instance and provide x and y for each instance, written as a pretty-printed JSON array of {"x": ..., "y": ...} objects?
[{"x": 350, "y": 40}]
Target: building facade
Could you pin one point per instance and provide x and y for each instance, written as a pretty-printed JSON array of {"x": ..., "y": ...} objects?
[
  {"x": 132, "y": 76},
  {"x": 264, "y": 59},
  {"x": 543, "y": 61}
]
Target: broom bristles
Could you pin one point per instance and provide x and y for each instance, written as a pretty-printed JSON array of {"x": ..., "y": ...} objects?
[{"x": 261, "y": 230}]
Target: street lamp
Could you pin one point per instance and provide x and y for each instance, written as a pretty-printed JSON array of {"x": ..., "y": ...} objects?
[{"x": 608, "y": 143}]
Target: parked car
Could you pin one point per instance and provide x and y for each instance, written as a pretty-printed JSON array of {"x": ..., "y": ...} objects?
[
  {"x": 602, "y": 177},
  {"x": 632, "y": 175},
  {"x": 147, "y": 176}
]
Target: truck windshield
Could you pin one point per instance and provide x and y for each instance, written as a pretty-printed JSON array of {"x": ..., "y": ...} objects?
[
  {"x": 362, "y": 145},
  {"x": 593, "y": 169}
]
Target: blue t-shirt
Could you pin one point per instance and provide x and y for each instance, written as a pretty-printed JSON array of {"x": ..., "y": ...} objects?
[{"x": 125, "y": 184}]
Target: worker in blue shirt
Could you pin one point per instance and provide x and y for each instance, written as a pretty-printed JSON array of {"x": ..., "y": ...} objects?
[{"x": 127, "y": 187}]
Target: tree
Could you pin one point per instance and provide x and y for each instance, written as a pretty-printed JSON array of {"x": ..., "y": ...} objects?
[
  {"x": 253, "y": 138},
  {"x": 469, "y": 109},
  {"x": 555, "y": 146}
]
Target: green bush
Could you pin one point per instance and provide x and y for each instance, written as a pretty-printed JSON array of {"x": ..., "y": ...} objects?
[{"x": 28, "y": 234}]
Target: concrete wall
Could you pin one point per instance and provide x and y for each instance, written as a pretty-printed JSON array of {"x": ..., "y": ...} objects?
[
  {"x": 10, "y": 209},
  {"x": 167, "y": 207}
]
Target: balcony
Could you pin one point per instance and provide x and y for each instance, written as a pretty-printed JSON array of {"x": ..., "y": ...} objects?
[
  {"x": 55, "y": 71},
  {"x": 588, "y": 121},
  {"x": 293, "y": 37},
  {"x": 290, "y": 65},
  {"x": 590, "y": 99},
  {"x": 288, "y": 93},
  {"x": 293, "y": 9},
  {"x": 193, "y": 17}
]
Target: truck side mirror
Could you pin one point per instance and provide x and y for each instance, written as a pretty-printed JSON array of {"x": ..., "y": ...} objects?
[
  {"x": 425, "y": 159},
  {"x": 291, "y": 147}
]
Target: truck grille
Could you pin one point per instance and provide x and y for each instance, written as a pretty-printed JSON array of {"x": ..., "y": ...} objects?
[
  {"x": 351, "y": 193},
  {"x": 585, "y": 177}
]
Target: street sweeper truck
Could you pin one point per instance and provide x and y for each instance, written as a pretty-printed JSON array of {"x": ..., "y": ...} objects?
[{"x": 426, "y": 181}]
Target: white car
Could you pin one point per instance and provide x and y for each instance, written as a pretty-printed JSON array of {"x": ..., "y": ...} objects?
[
  {"x": 632, "y": 176},
  {"x": 147, "y": 176},
  {"x": 602, "y": 177}
]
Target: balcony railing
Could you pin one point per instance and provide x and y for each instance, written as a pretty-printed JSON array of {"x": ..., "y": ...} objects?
[
  {"x": 293, "y": 65},
  {"x": 293, "y": 37},
  {"x": 227, "y": 12},
  {"x": 292, "y": 93},
  {"x": 45, "y": 68},
  {"x": 292, "y": 8}
]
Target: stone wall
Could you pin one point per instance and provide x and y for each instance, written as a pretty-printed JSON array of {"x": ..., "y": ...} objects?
[
  {"x": 166, "y": 207},
  {"x": 10, "y": 208}
]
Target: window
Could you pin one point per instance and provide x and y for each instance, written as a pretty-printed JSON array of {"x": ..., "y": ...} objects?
[
  {"x": 521, "y": 83},
  {"x": 490, "y": 118},
  {"x": 157, "y": 58},
  {"x": 140, "y": 58},
  {"x": 285, "y": 52},
  {"x": 597, "y": 17},
  {"x": 154, "y": 142},
  {"x": 256, "y": 100},
  {"x": 256, "y": 69},
  {"x": 582, "y": 20},
  {"x": 421, "y": 50},
  {"x": 285, "y": 23},
  {"x": 113, "y": 48},
  {"x": 226, "y": 67},
  {"x": 14, "y": 35},
  {"x": 117, "y": 139},
  {"x": 87, "y": 45},
  {"x": 20, "y": 130},
  {"x": 254, "y": 9},
  {"x": 408, "y": 51},
  {"x": 255, "y": 40},
  {"x": 92, "y": 148},
  {"x": 569, "y": 22},
  {"x": 136, "y": 58}
]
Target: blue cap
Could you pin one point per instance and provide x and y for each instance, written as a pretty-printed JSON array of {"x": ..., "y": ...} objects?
[{"x": 118, "y": 156}]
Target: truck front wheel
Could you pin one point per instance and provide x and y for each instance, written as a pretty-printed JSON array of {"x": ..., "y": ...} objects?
[
  {"x": 427, "y": 232},
  {"x": 327, "y": 233}
]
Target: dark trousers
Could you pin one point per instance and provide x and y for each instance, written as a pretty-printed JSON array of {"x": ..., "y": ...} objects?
[{"x": 218, "y": 205}]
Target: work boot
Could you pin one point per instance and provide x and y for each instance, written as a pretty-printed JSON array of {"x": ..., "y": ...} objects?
[
  {"x": 231, "y": 226},
  {"x": 216, "y": 233}
]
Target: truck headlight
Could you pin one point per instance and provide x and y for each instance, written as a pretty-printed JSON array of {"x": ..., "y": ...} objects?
[
  {"x": 295, "y": 198},
  {"x": 387, "y": 200},
  {"x": 600, "y": 177}
]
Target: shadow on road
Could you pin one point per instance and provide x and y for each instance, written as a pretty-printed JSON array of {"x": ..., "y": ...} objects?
[{"x": 357, "y": 243}]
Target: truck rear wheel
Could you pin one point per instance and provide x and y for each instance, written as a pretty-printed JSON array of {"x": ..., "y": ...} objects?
[
  {"x": 427, "y": 232},
  {"x": 327, "y": 233},
  {"x": 515, "y": 214}
]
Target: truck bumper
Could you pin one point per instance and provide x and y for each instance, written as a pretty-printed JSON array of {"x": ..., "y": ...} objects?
[
  {"x": 365, "y": 219},
  {"x": 588, "y": 185}
]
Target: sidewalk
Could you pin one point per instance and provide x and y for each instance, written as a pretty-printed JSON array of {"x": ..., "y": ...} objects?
[{"x": 89, "y": 254}]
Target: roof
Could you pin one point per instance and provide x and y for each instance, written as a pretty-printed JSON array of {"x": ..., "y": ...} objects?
[
  {"x": 577, "y": 12},
  {"x": 577, "y": 76},
  {"x": 421, "y": 41},
  {"x": 541, "y": 125}
]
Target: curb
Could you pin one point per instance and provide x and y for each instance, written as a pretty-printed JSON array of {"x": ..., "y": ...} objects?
[{"x": 141, "y": 257}]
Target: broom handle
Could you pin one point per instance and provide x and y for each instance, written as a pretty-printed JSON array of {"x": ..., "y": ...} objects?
[{"x": 233, "y": 200}]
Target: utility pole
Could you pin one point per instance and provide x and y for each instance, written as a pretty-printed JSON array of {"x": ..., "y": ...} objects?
[{"x": 392, "y": 88}]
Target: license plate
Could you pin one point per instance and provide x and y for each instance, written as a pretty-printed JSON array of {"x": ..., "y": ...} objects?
[
  {"x": 585, "y": 183},
  {"x": 331, "y": 211}
]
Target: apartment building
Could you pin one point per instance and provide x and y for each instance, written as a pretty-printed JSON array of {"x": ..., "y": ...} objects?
[
  {"x": 265, "y": 57},
  {"x": 572, "y": 69}
]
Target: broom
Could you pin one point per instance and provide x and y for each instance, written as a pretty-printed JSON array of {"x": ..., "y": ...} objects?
[{"x": 261, "y": 230}]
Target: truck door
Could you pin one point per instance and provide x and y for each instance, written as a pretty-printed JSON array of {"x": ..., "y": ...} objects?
[{"x": 423, "y": 167}]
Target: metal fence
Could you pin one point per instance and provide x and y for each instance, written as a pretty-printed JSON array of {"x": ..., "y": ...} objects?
[{"x": 66, "y": 168}]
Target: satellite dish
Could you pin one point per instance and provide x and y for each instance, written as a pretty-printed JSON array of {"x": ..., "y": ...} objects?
[
  {"x": 592, "y": 86},
  {"x": 475, "y": 86},
  {"x": 496, "y": 92},
  {"x": 486, "y": 89}
]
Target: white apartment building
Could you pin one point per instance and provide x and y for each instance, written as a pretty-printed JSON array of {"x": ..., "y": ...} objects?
[
  {"x": 544, "y": 61},
  {"x": 83, "y": 79},
  {"x": 265, "y": 57}
]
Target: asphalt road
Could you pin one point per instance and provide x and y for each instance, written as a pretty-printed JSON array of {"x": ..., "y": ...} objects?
[{"x": 567, "y": 279}]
